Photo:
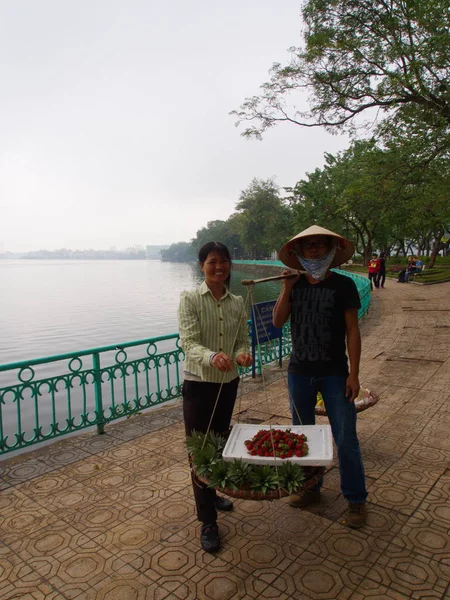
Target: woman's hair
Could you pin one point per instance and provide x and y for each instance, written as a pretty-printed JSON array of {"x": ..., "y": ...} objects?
[{"x": 221, "y": 249}]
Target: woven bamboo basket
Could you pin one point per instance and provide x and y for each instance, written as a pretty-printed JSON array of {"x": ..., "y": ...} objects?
[
  {"x": 367, "y": 402},
  {"x": 313, "y": 476}
]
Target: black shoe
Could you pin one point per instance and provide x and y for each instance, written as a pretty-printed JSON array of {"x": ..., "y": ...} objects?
[
  {"x": 223, "y": 504},
  {"x": 209, "y": 538}
]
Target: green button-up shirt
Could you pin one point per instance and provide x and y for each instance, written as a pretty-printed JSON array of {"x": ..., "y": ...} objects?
[{"x": 208, "y": 326}]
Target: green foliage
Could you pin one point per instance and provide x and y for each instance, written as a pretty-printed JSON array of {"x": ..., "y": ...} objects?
[
  {"x": 264, "y": 478},
  {"x": 205, "y": 459},
  {"x": 265, "y": 220},
  {"x": 179, "y": 252},
  {"x": 226, "y": 232},
  {"x": 239, "y": 472},
  {"x": 217, "y": 441},
  {"x": 357, "y": 56},
  {"x": 377, "y": 197},
  {"x": 221, "y": 478},
  {"x": 206, "y": 455},
  {"x": 290, "y": 476},
  {"x": 197, "y": 441},
  {"x": 261, "y": 224}
]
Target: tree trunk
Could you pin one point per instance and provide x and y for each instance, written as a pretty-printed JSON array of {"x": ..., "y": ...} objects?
[
  {"x": 367, "y": 253},
  {"x": 437, "y": 247}
]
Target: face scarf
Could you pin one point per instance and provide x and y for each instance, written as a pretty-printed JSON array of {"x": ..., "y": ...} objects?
[{"x": 317, "y": 267}]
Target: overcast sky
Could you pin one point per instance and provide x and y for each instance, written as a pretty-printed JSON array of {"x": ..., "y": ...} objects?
[{"x": 114, "y": 124}]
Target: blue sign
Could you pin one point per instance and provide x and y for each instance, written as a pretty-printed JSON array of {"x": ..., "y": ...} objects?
[{"x": 263, "y": 329}]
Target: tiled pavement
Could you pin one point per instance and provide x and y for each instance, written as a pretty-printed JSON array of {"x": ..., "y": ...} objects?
[{"x": 111, "y": 517}]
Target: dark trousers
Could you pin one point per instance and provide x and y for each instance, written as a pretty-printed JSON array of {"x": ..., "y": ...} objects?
[
  {"x": 342, "y": 416},
  {"x": 381, "y": 278},
  {"x": 373, "y": 277},
  {"x": 199, "y": 398}
]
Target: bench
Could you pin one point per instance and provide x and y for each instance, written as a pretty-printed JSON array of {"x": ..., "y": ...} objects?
[{"x": 418, "y": 273}]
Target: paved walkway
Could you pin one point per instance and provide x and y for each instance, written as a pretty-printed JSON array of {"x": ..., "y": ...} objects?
[{"x": 112, "y": 516}]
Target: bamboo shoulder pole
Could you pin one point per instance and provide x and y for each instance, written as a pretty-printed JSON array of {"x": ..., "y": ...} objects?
[{"x": 274, "y": 278}]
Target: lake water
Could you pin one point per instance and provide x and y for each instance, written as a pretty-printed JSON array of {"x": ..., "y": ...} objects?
[
  {"x": 58, "y": 307},
  {"x": 51, "y": 307}
]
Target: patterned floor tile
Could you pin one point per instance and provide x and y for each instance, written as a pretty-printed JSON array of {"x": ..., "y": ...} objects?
[
  {"x": 411, "y": 574},
  {"x": 421, "y": 535},
  {"x": 375, "y": 465},
  {"x": 89, "y": 467},
  {"x": 298, "y": 527},
  {"x": 315, "y": 577},
  {"x": 118, "y": 588},
  {"x": 431, "y": 456},
  {"x": 225, "y": 584},
  {"x": 407, "y": 472},
  {"x": 135, "y": 533},
  {"x": 374, "y": 591},
  {"x": 20, "y": 470},
  {"x": 113, "y": 516},
  {"x": 386, "y": 491},
  {"x": 21, "y": 516},
  {"x": 92, "y": 443},
  {"x": 356, "y": 550}
]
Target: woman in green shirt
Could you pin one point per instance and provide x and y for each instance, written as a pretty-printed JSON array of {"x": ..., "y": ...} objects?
[{"x": 214, "y": 337}]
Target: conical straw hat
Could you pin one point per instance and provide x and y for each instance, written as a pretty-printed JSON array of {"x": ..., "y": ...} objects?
[{"x": 344, "y": 248}]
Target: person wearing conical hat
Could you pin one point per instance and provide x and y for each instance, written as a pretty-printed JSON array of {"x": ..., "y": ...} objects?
[{"x": 323, "y": 309}]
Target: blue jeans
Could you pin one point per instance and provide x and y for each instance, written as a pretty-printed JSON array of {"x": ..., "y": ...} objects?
[{"x": 342, "y": 416}]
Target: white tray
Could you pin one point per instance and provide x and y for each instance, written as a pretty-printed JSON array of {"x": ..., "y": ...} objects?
[{"x": 319, "y": 442}]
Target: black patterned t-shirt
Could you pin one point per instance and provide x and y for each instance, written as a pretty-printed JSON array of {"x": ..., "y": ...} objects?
[{"x": 318, "y": 325}]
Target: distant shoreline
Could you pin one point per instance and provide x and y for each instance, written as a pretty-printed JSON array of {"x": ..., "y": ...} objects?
[{"x": 80, "y": 258}]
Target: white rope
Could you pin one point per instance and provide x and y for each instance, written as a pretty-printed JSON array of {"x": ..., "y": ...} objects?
[
  {"x": 255, "y": 312},
  {"x": 243, "y": 315},
  {"x": 254, "y": 306}
]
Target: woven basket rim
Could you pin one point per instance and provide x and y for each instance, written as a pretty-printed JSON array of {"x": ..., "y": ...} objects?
[
  {"x": 248, "y": 494},
  {"x": 321, "y": 412}
]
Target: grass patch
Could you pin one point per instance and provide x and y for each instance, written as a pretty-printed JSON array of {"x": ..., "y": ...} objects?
[
  {"x": 442, "y": 261},
  {"x": 435, "y": 275}
]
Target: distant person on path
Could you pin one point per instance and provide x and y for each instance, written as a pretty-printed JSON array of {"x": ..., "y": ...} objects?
[
  {"x": 214, "y": 337},
  {"x": 374, "y": 268},
  {"x": 323, "y": 307},
  {"x": 381, "y": 275}
]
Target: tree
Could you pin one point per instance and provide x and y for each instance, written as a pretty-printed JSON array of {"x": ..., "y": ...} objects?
[
  {"x": 265, "y": 221},
  {"x": 351, "y": 194},
  {"x": 377, "y": 197},
  {"x": 179, "y": 252},
  {"x": 226, "y": 232},
  {"x": 361, "y": 56}
]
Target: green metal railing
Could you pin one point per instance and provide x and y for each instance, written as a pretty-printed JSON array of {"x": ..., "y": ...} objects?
[
  {"x": 45, "y": 398},
  {"x": 56, "y": 395}
]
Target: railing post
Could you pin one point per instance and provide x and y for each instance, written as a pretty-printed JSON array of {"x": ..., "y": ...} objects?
[{"x": 98, "y": 393}]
